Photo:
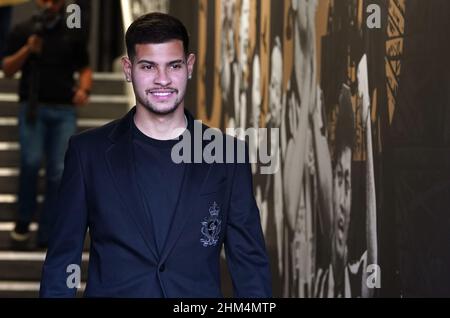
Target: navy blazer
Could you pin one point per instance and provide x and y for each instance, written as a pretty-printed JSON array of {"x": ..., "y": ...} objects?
[{"x": 99, "y": 192}]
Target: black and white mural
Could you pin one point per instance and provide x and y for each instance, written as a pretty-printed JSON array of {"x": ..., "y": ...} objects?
[{"x": 356, "y": 206}]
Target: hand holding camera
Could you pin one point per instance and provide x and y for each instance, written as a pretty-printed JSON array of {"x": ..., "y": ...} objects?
[{"x": 34, "y": 44}]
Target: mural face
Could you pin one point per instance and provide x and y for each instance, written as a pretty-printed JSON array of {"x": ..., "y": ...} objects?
[
  {"x": 331, "y": 87},
  {"x": 342, "y": 193}
]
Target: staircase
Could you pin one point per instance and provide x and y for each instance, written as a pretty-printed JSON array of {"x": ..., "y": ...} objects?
[{"x": 20, "y": 266}]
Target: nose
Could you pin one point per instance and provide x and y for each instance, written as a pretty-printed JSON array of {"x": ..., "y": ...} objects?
[
  {"x": 342, "y": 199},
  {"x": 162, "y": 78}
]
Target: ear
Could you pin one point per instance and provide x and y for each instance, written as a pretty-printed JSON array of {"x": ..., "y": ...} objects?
[
  {"x": 190, "y": 64},
  {"x": 127, "y": 66}
]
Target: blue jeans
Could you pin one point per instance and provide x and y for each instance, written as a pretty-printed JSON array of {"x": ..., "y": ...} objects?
[{"x": 49, "y": 134}]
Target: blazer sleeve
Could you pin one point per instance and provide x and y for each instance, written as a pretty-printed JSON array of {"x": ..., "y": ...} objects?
[
  {"x": 68, "y": 234},
  {"x": 245, "y": 249}
]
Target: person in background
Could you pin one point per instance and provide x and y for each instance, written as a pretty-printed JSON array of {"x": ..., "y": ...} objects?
[{"x": 48, "y": 54}]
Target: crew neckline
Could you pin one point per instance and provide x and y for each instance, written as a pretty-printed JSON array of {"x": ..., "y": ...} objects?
[{"x": 162, "y": 143}]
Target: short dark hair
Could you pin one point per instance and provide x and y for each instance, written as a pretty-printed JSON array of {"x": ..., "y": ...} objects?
[
  {"x": 345, "y": 125},
  {"x": 155, "y": 27}
]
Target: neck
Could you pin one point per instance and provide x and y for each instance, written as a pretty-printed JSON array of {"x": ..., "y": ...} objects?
[
  {"x": 161, "y": 127},
  {"x": 339, "y": 268}
]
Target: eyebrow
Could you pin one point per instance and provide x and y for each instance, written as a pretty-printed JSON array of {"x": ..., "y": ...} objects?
[{"x": 153, "y": 63}]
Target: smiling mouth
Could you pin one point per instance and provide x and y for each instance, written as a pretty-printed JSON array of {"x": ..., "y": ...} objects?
[
  {"x": 340, "y": 229},
  {"x": 341, "y": 224},
  {"x": 162, "y": 94}
]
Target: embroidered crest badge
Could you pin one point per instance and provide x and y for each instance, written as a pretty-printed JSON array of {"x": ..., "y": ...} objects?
[{"x": 211, "y": 227}]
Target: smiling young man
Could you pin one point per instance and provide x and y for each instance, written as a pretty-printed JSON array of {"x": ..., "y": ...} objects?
[{"x": 156, "y": 227}]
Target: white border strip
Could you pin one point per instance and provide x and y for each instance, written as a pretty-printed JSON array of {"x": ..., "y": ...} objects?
[
  {"x": 19, "y": 286},
  {"x": 31, "y": 256},
  {"x": 16, "y": 286},
  {"x": 9, "y": 226},
  {"x": 12, "y": 198},
  {"x": 7, "y": 97},
  {"x": 7, "y": 146},
  {"x": 14, "y": 172}
]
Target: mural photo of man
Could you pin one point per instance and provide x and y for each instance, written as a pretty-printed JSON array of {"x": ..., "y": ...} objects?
[
  {"x": 296, "y": 182},
  {"x": 338, "y": 217},
  {"x": 300, "y": 215},
  {"x": 337, "y": 275}
]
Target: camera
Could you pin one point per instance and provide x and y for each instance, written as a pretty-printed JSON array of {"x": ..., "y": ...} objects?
[{"x": 44, "y": 20}]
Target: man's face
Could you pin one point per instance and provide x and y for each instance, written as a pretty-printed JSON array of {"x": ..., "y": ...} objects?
[
  {"x": 305, "y": 13},
  {"x": 53, "y": 6},
  {"x": 342, "y": 197},
  {"x": 159, "y": 74}
]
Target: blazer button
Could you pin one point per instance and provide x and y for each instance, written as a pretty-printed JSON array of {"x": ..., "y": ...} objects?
[{"x": 162, "y": 268}]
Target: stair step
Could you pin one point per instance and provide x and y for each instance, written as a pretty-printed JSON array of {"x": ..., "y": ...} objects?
[
  {"x": 26, "y": 289},
  {"x": 6, "y": 243},
  {"x": 8, "y": 212},
  {"x": 10, "y": 185},
  {"x": 98, "y": 87},
  {"x": 8, "y": 207},
  {"x": 9, "y": 154},
  {"x": 14, "y": 289},
  {"x": 103, "y": 83},
  {"x": 11, "y": 132},
  {"x": 99, "y": 107},
  {"x": 27, "y": 266}
]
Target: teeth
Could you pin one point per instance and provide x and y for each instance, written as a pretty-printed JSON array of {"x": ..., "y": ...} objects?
[{"x": 162, "y": 94}]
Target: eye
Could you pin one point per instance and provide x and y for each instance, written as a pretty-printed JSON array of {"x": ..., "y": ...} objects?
[
  {"x": 340, "y": 177},
  {"x": 176, "y": 66},
  {"x": 148, "y": 67}
]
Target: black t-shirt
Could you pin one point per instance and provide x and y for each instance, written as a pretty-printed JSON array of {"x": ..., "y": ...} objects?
[
  {"x": 64, "y": 52},
  {"x": 159, "y": 180}
]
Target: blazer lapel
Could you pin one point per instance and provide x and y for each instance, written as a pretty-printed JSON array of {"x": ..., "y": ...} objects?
[{"x": 119, "y": 157}]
